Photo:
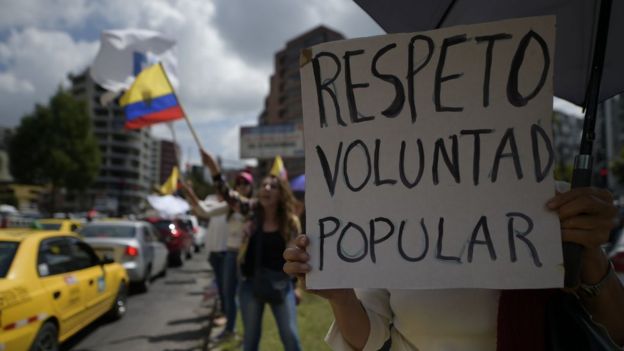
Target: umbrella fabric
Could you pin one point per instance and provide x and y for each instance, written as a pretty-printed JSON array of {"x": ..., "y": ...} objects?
[
  {"x": 298, "y": 184},
  {"x": 574, "y": 41}
]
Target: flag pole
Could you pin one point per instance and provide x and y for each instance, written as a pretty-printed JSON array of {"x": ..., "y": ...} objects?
[
  {"x": 177, "y": 151},
  {"x": 188, "y": 122},
  {"x": 175, "y": 143}
]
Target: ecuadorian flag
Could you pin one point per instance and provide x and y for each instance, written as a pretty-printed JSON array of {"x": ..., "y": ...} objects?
[
  {"x": 278, "y": 169},
  {"x": 150, "y": 99}
]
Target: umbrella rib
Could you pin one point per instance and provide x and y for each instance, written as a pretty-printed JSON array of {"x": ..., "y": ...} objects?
[
  {"x": 592, "y": 92},
  {"x": 446, "y": 12}
]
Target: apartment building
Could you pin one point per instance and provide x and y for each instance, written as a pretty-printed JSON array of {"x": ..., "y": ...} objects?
[
  {"x": 127, "y": 173},
  {"x": 283, "y": 103}
]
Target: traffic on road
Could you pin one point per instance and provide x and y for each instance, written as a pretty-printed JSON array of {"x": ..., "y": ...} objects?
[{"x": 55, "y": 284}]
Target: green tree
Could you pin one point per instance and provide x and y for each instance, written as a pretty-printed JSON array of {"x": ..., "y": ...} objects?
[{"x": 55, "y": 145}]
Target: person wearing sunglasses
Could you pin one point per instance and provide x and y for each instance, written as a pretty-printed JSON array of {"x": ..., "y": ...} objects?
[{"x": 225, "y": 262}]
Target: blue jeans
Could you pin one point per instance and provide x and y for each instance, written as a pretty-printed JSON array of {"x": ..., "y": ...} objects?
[
  {"x": 285, "y": 314},
  {"x": 216, "y": 260},
  {"x": 230, "y": 285}
]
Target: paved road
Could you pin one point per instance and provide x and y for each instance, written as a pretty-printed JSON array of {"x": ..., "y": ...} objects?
[{"x": 170, "y": 316}]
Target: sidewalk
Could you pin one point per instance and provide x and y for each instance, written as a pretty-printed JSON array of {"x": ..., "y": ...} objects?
[{"x": 208, "y": 306}]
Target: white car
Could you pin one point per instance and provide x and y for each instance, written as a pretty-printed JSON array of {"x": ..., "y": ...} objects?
[
  {"x": 197, "y": 229},
  {"x": 134, "y": 244}
]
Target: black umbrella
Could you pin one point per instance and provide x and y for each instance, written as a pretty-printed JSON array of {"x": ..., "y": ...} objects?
[{"x": 588, "y": 42}]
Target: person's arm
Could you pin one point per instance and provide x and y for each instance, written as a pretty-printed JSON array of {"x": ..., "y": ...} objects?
[
  {"x": 203, "y": 209},
  {"x": 189, "y": 193},
  {"x": 607, "y": 306},
  {"x": 208, "y": 209},
  {"x": 234, "y": 200},
  {"x": 210, "y": 162},
  {"x": 587, "y": 216},
  {"x": 350, "y": 316}
]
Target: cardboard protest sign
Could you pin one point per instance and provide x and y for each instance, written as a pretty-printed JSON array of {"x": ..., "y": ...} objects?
[{"x": 429, "y": 159}]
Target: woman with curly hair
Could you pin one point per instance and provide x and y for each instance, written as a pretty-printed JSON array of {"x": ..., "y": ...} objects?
[{"x": 272, "y": 224}]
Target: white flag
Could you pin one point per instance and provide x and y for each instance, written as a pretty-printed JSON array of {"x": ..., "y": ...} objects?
[{"x": 124, "y": 53}]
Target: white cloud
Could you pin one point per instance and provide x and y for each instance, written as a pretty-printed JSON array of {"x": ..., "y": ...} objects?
[
  {"x": 257, "y": 29},
  {"x": 37, "y": 62},
  {"x": 220, "y": 138},
  {"x": 225, "y": 52},
  {"x": 230, "y": 141},
  {"x": 145, "y": 13},
  {"x": 13, "y": 85},
  {"x": 48, "y": 14},
  {"x": 215, "y": 83}
]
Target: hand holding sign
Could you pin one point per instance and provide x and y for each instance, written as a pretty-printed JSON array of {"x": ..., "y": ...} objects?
[
  {"x": 348, "y": 311},
  {"x": 297, "y": 265}
]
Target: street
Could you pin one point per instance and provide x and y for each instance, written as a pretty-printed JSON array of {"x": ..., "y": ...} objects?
[{"x": 170, "y": 316}]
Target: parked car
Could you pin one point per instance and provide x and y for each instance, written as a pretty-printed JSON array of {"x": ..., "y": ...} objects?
[
  {"x": 64, "y": 225},
  {"x": 52, "y": 284},
  {"x": 177, "y": 237},
  {"x": 11, "y": 220},
  {"x": 199, "y": 232},
  {"x": 134, "y": 244}
]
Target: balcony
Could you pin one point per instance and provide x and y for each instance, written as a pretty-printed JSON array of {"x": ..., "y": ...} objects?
[
  {"x": 129, "y": 144},
  {"x": 114, "y": 183},
  {"x": 129, "y": 157}
]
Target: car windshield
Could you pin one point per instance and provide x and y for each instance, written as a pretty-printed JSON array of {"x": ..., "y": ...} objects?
[
  {"x": 107, "y": 231},
  {"x": 7, "y": 252},
  {"x": 50, "y": 226}
]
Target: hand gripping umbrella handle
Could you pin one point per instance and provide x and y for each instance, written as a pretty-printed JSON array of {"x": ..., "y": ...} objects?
[{"x": 581, "y": 177}]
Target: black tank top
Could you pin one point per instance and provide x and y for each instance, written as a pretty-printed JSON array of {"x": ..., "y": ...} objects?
[{"x": 273, "y": 247}]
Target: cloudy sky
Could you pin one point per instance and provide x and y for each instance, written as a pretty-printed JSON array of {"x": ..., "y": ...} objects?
[{"x": 225, "y": 52}]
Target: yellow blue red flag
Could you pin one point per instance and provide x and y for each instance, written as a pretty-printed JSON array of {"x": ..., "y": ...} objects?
[
  {"x": 278, "y": 168},
  {"x": 150, "y": 99}
]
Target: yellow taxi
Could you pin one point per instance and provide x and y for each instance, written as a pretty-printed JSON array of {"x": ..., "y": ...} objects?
[
  {"x": 62, "y": 225},
  {"x": 52, "y": 284}
]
